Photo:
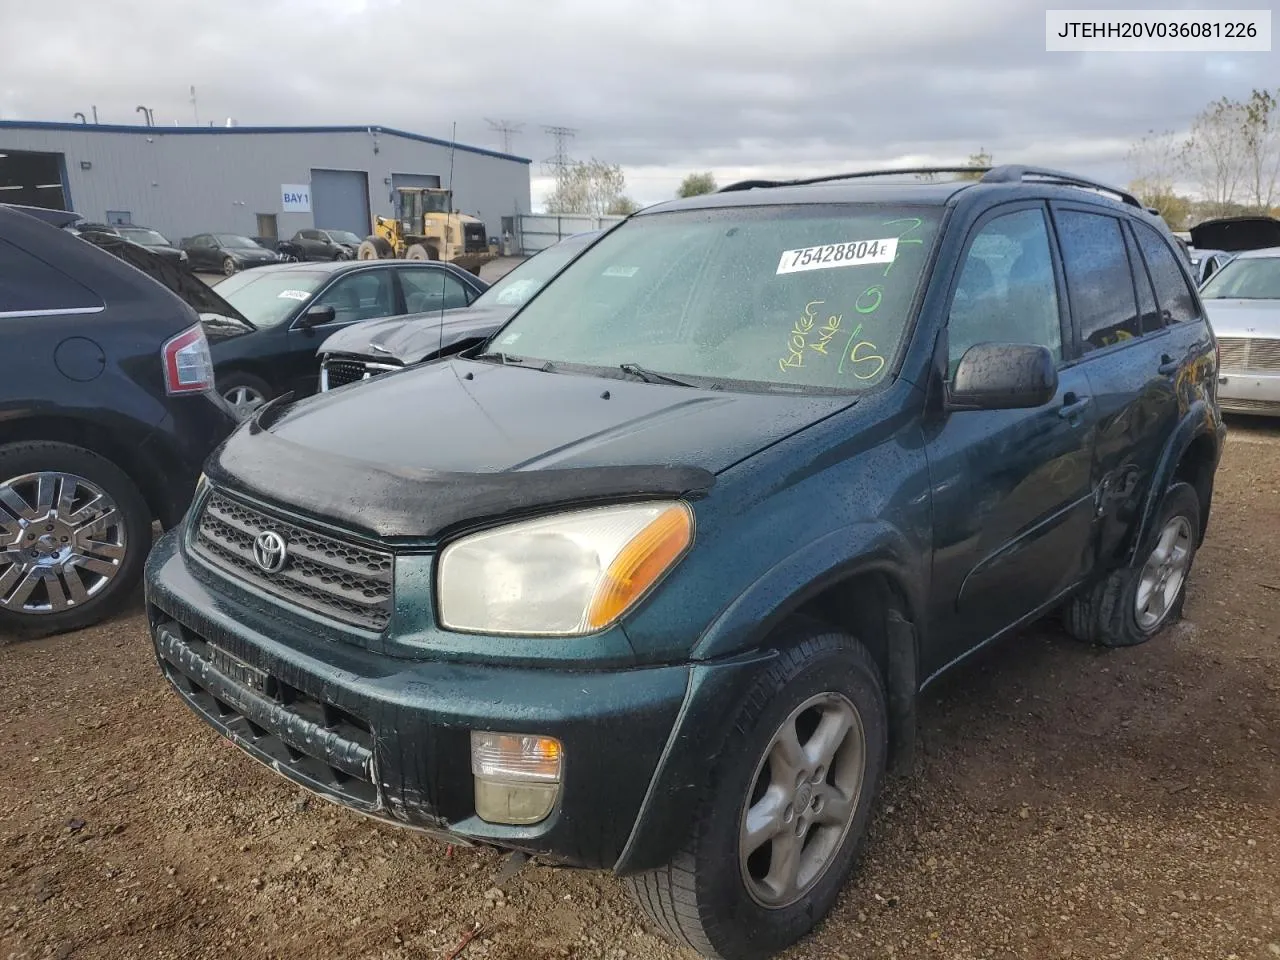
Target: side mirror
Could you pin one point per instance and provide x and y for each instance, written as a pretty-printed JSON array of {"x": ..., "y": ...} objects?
[
  {"x": 317, "y": 315},
  {"x": 1003, "y": 376}
]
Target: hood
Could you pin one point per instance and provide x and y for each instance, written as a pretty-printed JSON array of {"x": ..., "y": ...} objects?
[
  {"x": 412, "y": 453},
  {"x": 176, "y": 275},
  {"x": 414, "y": 337},
  {"x": 249, "y": 253},
  {"x": 1244, "y": 318},
  {"x": 1234, "y": 234}
]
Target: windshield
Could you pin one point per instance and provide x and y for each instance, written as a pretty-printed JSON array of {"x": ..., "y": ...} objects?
[
  {"x": 268, "y": 299},
  {"x": 233, "y": 241},
  {"x": 516, "y": 287},
  {"x": 435, "y": 202},
  {"x": 343, "y": 236},
  {"x": 145, "y": 237},
  {"x": 1248, "y": 278},
  {"x": 788, "y": 298}
]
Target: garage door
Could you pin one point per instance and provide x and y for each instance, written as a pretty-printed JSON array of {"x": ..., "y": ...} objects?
[
  {"x": 399, "y": 180},
  {"x": 340, "y": 200}
]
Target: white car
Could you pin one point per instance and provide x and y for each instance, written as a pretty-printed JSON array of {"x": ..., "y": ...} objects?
[{"x": 1243, "y": 302}]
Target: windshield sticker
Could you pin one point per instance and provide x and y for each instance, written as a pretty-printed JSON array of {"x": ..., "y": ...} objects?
[
  {"x": 511, "y": 337},
  {"x": 852, "y": 254},
  {"x": 292, "y": 295},
  {"x": 621, "y": 271}
]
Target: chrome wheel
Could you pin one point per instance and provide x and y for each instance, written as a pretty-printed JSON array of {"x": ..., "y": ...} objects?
[
  {"x": 62, "y": 541},
  {"x": 1164, "y": 574},
  {"x": 804, "y": 794},
  {"x": 244, "y": 400}
]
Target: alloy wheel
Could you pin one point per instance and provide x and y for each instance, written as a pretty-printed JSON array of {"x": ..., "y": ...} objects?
[
  {"x": 1163, "y": 574},
  {"x": 803, "y": 798},
  {"x": 62, "y": 541},
  {"x": 244, "y": 400}
]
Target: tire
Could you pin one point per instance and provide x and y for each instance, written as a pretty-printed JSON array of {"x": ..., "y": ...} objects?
[
  {"x": 374, "y": 248},
  {"x": 721, "y": 904},
  {"x": 1119, "y": 611},
  {"x": 79, "y": 581},
  {"x": 244, "y": 392},
  {"x": 419, "y": 251},
  {"x": 228, "y": 267}
]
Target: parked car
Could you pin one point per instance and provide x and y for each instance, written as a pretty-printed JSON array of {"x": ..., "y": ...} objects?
[
  {"x": 152, "y": 240},
  {"x": 441, "y": 326},
  {"x": 1243, "y": 300},
  {"x": 1205, "y": 263},
  {"x": 264, "y": 339},
  {"x": 106, "y": 414},
  {"x": 651, "y": 582},
  {"x": 1236, "y": 234},
  {"x": 325, "y": 244},
  {"x": 288, "y": 253},
  {"x": 226, "y": 253}
]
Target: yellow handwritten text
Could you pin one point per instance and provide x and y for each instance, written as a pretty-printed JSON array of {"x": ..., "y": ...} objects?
[{"x": 797, "y": 340}]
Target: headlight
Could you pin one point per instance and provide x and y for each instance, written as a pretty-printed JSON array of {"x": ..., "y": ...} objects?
[
  {"x": 565, "y": 575},
  {"x": 182, "y": 255}
]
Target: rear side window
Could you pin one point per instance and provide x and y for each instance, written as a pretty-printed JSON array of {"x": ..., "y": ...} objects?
[
  {"x": 1151, "y": 319},
  {"x": 1098, "y": 279},
  {"x": 29, "y": 285},
  {"x": 1177, "y": 303}
]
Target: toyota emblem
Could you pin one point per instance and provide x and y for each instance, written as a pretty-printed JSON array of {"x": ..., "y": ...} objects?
[{"x": 270, "y": 552}]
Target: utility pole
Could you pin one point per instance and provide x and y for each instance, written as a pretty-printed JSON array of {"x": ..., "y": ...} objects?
[
  {"x": 559, "y": 163},
  {"x": 505, "y": 129}
]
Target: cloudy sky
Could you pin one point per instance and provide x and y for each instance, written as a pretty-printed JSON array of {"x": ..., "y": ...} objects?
[{"x": 662, "y": 87}]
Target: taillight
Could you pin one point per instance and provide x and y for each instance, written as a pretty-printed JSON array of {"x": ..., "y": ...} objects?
[{"x": 188, "y": 367}]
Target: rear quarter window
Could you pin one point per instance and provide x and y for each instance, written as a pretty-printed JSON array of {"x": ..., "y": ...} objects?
[
  {"x": 29, "y": 285},
  {"x": 1177, "y": 302}
]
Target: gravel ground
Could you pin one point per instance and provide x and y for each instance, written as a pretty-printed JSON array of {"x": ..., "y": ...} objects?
[{"x": 1068, "y": 802}]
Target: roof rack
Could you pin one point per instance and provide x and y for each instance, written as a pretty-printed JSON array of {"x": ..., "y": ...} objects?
[
  {"x": 1015, "y": 173},
  {"x": 827, "y": 178}
]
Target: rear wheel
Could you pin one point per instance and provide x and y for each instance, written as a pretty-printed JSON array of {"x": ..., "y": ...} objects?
[
  {"x": 74, "y": 533},
  {"x": 1132, "y": 605},
  {"x": 780, "y": 825},
  {"x": 244, "y": 392},
  {"x": 420, "y": 251},
  {"x": 228, "y": 266}
]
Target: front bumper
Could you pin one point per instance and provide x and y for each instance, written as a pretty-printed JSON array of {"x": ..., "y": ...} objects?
[
  {"x": 390, "y": 736},
  {"x": 1248, "y": 391}
]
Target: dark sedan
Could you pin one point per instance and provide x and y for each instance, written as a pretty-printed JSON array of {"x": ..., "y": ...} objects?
[
  {"x": 152, "y": 240},
  {"x": 325, "y": 244},
  {"x": 264, "y": 338},
  {"x": 226, "y": 253},
  {"x": 439, "y": 328}
]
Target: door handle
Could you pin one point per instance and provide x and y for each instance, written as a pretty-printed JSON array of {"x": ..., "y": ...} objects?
[
  {"x": 1073, "y": 405},
  {"x": 1168, "y": 366}
]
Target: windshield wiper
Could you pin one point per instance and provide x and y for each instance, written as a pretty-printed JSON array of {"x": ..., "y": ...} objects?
[{"x": 652, "y": 376}]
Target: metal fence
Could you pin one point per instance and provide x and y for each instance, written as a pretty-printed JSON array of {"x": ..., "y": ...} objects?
[{"x": 534, "y": 232}]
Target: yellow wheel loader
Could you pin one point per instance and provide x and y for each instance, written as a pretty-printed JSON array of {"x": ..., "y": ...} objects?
[{"x": 428, "y": 228}]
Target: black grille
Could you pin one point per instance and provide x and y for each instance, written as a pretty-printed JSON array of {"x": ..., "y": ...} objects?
[
  {"x": 326, "y": 575},
  {"x": 315, "y": 743},
  {"x": 341, "y": 372},
  {"x": 475, "y": 238}
]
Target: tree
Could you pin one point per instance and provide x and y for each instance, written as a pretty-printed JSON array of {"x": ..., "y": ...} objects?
[
  {"x": 696, "y": 184},
  {"x": 1260, "y": 134},
  {"x": 622, "y": 207},
  {"x": 1155, "y": 162},
  {"x": 592, "y": 187},
  {"x": 980, "y": 159},
  {"x": 1215, "y": 151}
]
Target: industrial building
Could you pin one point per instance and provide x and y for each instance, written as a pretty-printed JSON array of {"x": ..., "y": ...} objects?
[{"x": 255, "y": 181}]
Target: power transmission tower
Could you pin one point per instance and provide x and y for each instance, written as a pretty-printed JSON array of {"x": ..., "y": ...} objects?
[
  {"x": 559, "y": 163},
  {"x": 505, "y": 128}
]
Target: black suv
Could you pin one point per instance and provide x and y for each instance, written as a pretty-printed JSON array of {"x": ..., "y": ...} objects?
[
  {"x": 106, "y": 414},
  {"x": 651, "y": 581}
]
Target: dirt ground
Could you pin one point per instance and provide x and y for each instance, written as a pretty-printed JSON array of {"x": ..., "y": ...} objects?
[{"x": 1068, "y": 803}]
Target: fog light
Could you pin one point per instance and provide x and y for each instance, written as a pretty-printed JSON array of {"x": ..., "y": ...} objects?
[{"x": 517, "y": 776}]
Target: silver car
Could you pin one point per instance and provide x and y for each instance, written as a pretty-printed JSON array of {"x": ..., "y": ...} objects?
[{"x": 1243, "y": 302}]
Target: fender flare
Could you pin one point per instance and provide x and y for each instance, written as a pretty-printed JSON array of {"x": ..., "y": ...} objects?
[
  {"x": 732, "y": 651},
  {"x": 1197, "y": 422}
]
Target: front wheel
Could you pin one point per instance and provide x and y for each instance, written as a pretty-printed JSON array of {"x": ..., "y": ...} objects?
[
  {"x": 782, "y": 819},
  {"x": 228, "y": 266},
  {"x": 244, "y": 392},
  {"x": 374, "y": 248},
  {"x": 75, "y": 531}
]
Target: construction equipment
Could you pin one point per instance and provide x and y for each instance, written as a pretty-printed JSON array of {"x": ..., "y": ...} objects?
[{"x": 428, "y": 228}]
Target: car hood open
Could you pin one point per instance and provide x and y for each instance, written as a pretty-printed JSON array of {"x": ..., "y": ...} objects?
[
  {"x": 414, "y": 454},
  {"x": 1234, "y": 234},
  {"x": 413, "y": 337}
]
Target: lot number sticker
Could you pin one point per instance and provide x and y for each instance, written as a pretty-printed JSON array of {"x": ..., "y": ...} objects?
[
  {"x": 292, "y": 295},
  {"x": 852, "y": 254}
]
